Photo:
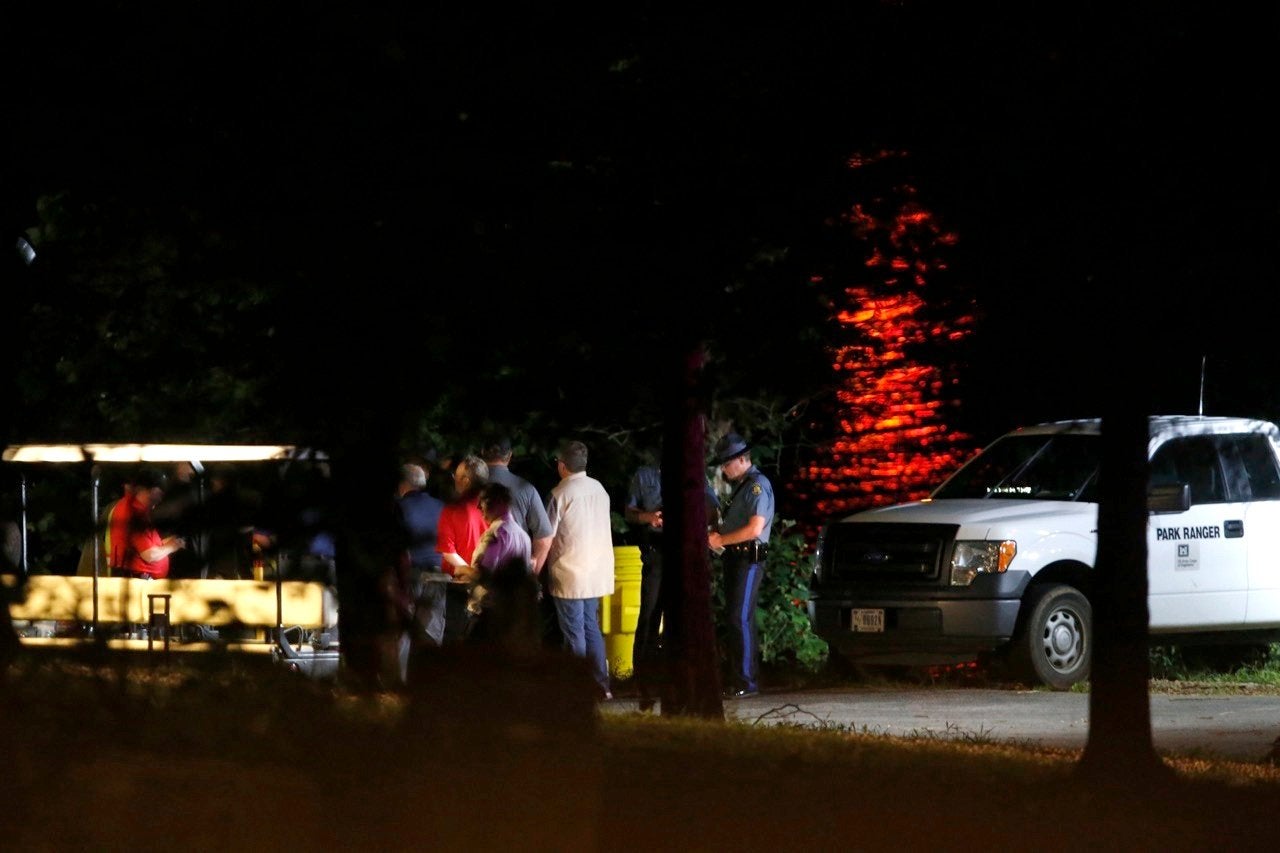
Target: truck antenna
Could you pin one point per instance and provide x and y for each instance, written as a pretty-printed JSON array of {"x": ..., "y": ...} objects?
[{"x": 1202, "y": 360}]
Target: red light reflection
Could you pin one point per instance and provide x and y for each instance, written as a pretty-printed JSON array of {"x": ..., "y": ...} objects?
[{"x": 892, "y": 441}]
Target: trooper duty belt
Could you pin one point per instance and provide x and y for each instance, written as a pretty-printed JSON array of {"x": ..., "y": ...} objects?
[{"x": 754, "y": 550}]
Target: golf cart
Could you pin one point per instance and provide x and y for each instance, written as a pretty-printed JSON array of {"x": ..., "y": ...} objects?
[{"x": 280, "y": 599}]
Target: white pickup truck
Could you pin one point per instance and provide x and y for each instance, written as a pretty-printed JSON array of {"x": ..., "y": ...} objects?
[{"x": 999, "y": 559}]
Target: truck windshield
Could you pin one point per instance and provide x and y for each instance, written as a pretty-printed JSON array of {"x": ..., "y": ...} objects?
[{"x": 1030, "y": 467}]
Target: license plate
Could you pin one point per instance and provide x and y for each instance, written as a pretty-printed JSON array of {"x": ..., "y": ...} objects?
[{"x": 867, "y": 620}]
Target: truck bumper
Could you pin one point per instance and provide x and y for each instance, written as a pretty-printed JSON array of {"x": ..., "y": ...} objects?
[{"x": 916, "y": 632}]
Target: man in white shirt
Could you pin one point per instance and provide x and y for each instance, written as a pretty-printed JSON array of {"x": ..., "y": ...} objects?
[{"x": 580, "y": 560}]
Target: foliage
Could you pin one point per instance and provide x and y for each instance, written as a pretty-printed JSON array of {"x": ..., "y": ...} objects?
[
  {"x": 1166, "y": 662},
  {"x": 1215, "y": 668},
  {"x": 786, "y": 633},
  {"x": 1217, "y": 664},
  {"x": 59, "y": 516},
  {"x": 139, "y": 323},
  {"x": 782, "y": 614}
]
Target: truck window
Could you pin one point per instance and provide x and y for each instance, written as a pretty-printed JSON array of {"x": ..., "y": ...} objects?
[
  {"x": 1029, "y": 467},
  {"x": 1250, "y": 463},
  {"x": 1192, "y": 460}
]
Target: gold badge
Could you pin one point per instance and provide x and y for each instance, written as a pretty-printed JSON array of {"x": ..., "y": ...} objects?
[{"x": 756, "y": 490}]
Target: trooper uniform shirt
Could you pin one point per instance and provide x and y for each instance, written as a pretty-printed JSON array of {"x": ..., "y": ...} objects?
[
  {"x": 645, "y": 491},
  {"x": 645, "y": 494},
  {"x": 752, "y": 495}
]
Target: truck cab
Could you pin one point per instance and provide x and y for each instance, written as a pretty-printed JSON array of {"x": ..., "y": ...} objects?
[{"x": 999, "y": 558}]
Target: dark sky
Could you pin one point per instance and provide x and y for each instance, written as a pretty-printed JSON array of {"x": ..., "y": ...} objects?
[
  {"x": 1111, "y": 173},
  {"x": 1113, "y": 180}
]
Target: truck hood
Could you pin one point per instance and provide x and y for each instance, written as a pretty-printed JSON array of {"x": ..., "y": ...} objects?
[{"x": 979, "y": 512}]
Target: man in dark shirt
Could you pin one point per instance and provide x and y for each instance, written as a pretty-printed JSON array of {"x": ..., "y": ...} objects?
[
  {"x": 643, "y": 510},
  {"x": 419, "y": 514}
]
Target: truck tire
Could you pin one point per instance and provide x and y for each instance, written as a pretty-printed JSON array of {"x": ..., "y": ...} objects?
[{"x": 1057, "y": 639}]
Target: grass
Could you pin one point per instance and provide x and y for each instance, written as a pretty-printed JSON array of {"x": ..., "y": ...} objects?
[{"x": 508, "y": 756}]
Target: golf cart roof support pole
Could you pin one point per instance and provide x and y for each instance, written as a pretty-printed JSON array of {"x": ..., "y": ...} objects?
[
  {"x": 22, "y": 530},
  {"x": 97, "y": 547},
  {"x": 279, "y": 598},
  {"x": 199, "y": 543}
]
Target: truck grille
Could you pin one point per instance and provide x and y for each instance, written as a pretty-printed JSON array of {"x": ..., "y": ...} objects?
[{"x": 896, "y": 553}]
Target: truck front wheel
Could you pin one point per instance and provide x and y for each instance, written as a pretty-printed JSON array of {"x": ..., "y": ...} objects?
[{"x": 1057, "y": 639}]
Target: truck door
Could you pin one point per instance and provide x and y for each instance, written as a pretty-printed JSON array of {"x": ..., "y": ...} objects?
[
  {"x": 1197, "y": 561},
  {"x": 1253, "y": 476}
]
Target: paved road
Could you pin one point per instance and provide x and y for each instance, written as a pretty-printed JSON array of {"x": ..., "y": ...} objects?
[{"x": 1240, "y": 728}]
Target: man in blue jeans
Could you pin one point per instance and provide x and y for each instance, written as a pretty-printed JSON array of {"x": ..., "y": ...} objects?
[{"x": 580, "y": 560}]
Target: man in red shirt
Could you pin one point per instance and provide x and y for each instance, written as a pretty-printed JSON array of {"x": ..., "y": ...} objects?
[
  {"x": 137, "y": 548},
  {"x": 117, "y": 538}
]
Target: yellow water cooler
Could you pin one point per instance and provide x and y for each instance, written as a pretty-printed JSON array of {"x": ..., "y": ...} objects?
[{"x": 620, "y": 612}]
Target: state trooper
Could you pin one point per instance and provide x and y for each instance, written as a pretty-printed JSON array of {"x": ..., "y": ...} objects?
[{"x": 742, "y": 541}]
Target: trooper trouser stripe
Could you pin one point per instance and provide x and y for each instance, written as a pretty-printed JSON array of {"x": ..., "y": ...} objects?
[{"x": 743, "y": 588}]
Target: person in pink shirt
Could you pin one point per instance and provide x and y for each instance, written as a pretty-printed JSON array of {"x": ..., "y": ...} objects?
[{"x": 504, "y": 593}]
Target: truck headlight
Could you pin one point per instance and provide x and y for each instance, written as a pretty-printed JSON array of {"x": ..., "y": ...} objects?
[{"x": 975, "y": 556}]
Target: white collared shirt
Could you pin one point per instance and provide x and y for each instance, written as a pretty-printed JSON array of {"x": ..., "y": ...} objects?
[{"x": 581, "y": 555}]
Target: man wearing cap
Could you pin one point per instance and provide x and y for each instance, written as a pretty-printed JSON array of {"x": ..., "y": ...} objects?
[{"x": 746, "y": 519}]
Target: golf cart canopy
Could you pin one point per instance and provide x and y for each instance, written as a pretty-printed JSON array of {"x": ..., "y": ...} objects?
[{"x": 194, "y": 453}]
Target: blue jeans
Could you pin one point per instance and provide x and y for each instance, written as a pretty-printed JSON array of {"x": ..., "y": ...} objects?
[{"x": 579, "y": 620}]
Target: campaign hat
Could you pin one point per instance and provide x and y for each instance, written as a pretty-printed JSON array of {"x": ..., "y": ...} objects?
[{"x": 730, "y": 446}]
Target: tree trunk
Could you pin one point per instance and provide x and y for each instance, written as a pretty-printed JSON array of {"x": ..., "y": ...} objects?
[
  {"x": 1119, "y": 749},
  {"x": 12, "y": 568},
  {"x": 689, "y": 643},
  {"x": 9, "y": 641},
  {"x": 366, "y": 538}
]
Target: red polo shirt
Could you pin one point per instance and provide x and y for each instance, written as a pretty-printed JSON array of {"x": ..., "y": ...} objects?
[
  {"x": 461, "y": 524},
  {"x": 131, "y": 534}
]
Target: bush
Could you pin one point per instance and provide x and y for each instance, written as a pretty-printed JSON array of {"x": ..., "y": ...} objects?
[{"x": 1211, "y": 662}]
